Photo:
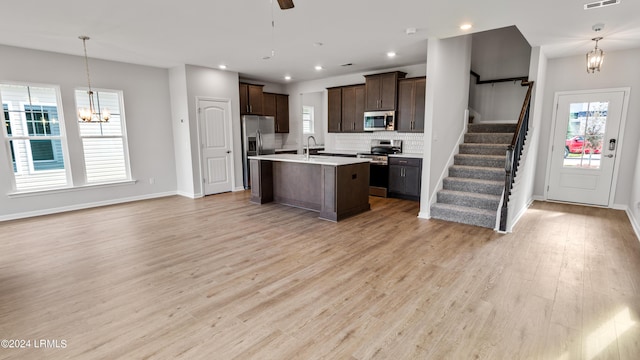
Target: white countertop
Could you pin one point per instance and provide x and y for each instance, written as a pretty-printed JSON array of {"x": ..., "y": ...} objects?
[
  {"x": 406, "y": 155},
  {"x": 313, "y": 159}
]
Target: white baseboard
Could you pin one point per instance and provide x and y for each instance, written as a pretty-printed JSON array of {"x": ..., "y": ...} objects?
[
  {"x": 238, "y": 188},
  {"x": 538, "y": 198},
  {"x": 186, "y": 194},
  {"x": 424, "y": 215},
  {"x": 29, "y": 214}
]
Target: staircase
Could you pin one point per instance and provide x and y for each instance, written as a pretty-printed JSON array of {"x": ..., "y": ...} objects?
[{"x": 472, "y": 192}]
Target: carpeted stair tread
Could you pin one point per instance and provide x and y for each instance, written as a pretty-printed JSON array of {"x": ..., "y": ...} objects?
[
  {"x": 477, "y": 172},
  {"x": 463, "y": 214},
  {"x": 491, "y": 187},
  {"x": 494, "y": 161},
  {"x": 490, "y": 138},
  {"x": 469, "y": 199},
  {"x": 484, "y": 149}
]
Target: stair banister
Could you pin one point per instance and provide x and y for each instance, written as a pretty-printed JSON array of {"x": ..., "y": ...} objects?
[{"x": 514, "y": 152}]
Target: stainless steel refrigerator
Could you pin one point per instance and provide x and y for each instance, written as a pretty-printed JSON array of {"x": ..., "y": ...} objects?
[{"x": 258, "y": 138}]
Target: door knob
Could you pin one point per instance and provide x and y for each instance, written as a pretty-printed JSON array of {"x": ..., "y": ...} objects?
[{"x": 228, "y": 151}]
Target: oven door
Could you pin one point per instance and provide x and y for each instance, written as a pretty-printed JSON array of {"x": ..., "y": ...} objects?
[{"x": 378, "y": 179}]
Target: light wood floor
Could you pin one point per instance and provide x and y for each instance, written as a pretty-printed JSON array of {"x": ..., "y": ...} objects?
[{"x": 219, "y": 278}]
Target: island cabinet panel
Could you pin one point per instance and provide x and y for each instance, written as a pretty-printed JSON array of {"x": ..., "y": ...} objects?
[
  {"x": 261, "y": 181},
  {"x": 297, "y": 185},
  {"x": 352, "y": 190},
  {"x": 335, "y": 191}
]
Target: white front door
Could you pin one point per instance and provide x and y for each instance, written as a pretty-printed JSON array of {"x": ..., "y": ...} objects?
[
  {"x": 215, "y": 140},
  {"x": 585, "y": 144}
]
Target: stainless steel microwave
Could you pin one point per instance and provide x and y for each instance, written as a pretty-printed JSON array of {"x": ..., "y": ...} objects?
[{"x": 379, "y": 121}]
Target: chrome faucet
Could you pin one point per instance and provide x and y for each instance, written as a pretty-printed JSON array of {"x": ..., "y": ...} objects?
[{"x": 314, "y": 143}]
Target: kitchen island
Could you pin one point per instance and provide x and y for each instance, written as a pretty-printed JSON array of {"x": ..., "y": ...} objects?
[{"x": 336, "y": 187}]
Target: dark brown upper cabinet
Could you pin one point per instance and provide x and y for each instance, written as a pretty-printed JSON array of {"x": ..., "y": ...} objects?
[
  {"x": 251, "y": 99},
  {"x": 411, "y": 100},
  {"x": 381, "y": 91},
  {"x": 346, "y": 108},
  {"x": 353, "y": 98},
  {"x": 334, "y": 115},
  {"x": 277, "y": 105}
]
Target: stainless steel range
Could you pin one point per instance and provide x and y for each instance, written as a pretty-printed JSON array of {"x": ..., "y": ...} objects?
[{"x": 379, "y": 171}]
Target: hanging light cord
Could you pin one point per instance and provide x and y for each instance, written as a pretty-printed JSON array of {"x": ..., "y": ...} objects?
[{"x": 86, "y": 60}]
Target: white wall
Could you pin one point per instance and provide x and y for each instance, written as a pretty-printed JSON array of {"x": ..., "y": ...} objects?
[
  {"x": 220, "y": 85},
  {"x": 333, "y": 141},
  {"x": 148, "y": 120},
  {"x": 620, "y": 69},
  {"x": 447, "y": 98},
  {"x": 498, "y": 54},
  {"x": 522, "y": 192},
  {"x": 181, "y": 130}
]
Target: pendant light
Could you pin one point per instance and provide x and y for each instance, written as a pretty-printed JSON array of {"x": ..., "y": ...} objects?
[
  {"x": 90, "y": 114},
  {"x": 595, "y": 57}
]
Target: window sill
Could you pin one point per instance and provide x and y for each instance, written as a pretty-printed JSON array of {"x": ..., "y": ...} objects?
[{"x": 19, "y": 194}]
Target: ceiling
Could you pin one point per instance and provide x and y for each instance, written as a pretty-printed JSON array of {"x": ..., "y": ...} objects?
[{"x": 238, "y": 33}]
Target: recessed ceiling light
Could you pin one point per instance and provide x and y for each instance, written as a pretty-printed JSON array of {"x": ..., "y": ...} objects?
[
  {"x": 465, "y": 26},
  {"x": 287, "y": 77},
  {"x": 391, "y": 54},
  {"x": 222, "y": 67},
  {"x": 318, "y": 67}
]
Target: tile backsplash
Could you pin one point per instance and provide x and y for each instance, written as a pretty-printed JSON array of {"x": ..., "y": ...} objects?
[{"x": 412, "y": 143}]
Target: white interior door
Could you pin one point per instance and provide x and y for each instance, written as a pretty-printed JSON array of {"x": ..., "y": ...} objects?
[
  {"x": 215, "y": 140},
  {"x": 585, "y": 143}
]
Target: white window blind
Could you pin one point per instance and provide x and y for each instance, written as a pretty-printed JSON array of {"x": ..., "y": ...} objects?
[
  {"x": 104, "y": 143},
  {"x": 35, "y": 134},
  {"x": 307, "y": 119}
]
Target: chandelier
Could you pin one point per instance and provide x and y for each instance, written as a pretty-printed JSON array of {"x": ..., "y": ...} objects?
[
  {"x": 90, "y": 114},
  {"x": 595, "y": 58}
]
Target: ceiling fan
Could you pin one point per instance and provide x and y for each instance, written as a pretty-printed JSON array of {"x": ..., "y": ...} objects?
[{"x": 285, "y": 4}]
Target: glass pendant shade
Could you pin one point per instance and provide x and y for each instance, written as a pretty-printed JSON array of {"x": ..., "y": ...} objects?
[{"x": 595, "y": 58}]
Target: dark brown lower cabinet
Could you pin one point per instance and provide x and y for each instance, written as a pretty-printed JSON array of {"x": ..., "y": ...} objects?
[{"x": 405, "y": 178}]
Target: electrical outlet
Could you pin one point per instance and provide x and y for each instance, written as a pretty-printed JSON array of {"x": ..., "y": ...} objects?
[{"x": 152, "y": 181}]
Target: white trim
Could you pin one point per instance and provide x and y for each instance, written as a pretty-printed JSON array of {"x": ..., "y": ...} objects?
[
  {"x": 623, "y": 121},
  {"x": 84, "y": 206},
  {"x": 454, "y": 152},
  {"x": 635, "y": 224},
  {"x": 187, "y": 195},
  {"x": 422, "y": 215},
  {"x": 238, "y": 188}
]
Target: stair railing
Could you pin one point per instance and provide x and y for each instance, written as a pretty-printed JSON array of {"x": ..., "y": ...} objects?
[{"x": 514, "y": 153}]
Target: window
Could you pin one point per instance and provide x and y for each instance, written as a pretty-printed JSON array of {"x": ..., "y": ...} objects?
[
  {"x": 307, "y": 119},
  {"x": 7, "y": 124},
  {"x": 104, "y": 143},
  {"x": 35, "y": 136}
]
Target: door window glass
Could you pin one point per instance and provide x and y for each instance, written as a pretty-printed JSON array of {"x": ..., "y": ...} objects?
[{"x": 585, "y": 134}]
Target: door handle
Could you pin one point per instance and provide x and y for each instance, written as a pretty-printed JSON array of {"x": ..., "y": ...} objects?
[
  {"x": 228, "y": 151},
  {"x": 609, "y": 156}
]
